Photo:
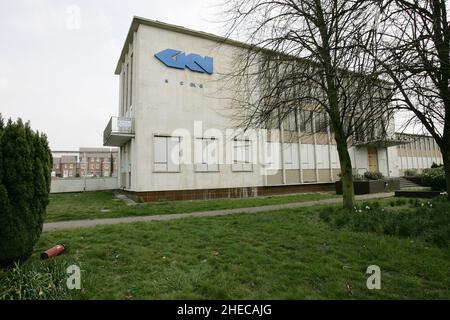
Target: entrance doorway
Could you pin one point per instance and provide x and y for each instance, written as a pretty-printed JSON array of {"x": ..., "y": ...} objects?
[{"x": 373, "y": 159}]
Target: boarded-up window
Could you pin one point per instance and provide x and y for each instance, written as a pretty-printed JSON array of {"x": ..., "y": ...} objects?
[
  {"x": 167, "y": 154},
  {"x": 206, "y": 154},
  {"x": 242, "y": 157}
]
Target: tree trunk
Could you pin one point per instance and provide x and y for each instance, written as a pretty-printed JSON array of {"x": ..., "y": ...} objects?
[
  {"x": 446, "y": 159},
  {"x": 348, "y": 192}
]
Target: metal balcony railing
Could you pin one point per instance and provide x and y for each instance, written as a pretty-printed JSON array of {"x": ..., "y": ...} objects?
[{"x": 118, "y": 131}]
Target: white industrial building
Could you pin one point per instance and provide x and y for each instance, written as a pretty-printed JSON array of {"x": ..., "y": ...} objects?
[{"x": 178, "y": 139}]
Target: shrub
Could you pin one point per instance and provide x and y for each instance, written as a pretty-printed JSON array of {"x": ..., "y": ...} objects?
[
  {"x": 434, "y": 178},
  {"x": 426, "y": 220},
  {"x": 25, "y": 167},
  {"x": 373, "y": 175},
  {"x": 45, "y": 280},
  {"x": 435, "y": 165},
  {"x": 356, "y": 176},
  {"x": 410, "y": 173}
]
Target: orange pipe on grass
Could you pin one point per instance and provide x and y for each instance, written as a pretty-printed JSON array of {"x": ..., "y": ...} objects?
[{"x": 53, "y": 252}]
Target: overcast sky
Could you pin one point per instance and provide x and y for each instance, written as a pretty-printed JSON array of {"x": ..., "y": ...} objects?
[{"x": 58, "y": 72}]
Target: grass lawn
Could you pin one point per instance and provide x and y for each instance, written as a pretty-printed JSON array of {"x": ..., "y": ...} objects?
[
  {"x": 94, "y": 205},
  {"x": 289, "y": 254}
]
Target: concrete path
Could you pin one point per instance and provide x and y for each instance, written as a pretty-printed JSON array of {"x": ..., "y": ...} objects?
[
  {"x": 67, "y": 225},
  {"x": 124, "y": 198}
]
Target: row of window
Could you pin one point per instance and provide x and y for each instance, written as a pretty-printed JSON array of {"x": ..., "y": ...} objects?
[
  {"x": 372, "y": 131},
  {"x": 421, "y": 144},
  {"x": 418, "y": 162},
  {"x": 95, "y": 159},
  {"x": 127, "y": 86},
  {"x": 319, "y": 122},
  {"x": 306, "y": 121},
  {"x": 167, "y": 154},
  {"x": 91, "y": 166},
  {"x": 312, "y": 156}
]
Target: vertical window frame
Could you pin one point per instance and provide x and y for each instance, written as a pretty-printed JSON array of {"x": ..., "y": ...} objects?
[
  {"x": 167, "y": 154},
  {"x": 210, "y": 167},
  {"x": 247, "y": 164}
]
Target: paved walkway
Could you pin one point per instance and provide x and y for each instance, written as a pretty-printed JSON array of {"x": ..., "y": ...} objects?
[
  {"x": 66, "y": 225},
  {"x": 125, "y": 199}
]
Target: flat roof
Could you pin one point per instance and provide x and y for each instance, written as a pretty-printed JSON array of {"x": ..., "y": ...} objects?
[
  {"x": 99, "y": 149},
  {"x": 137, "y": 21},
  {"x": 414, "y": 134}
]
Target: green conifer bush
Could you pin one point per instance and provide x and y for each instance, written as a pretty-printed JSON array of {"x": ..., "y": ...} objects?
[{"x": 25, "y": 176}]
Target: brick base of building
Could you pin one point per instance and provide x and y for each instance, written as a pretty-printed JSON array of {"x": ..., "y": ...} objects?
[{"x": 243, "y": 192}]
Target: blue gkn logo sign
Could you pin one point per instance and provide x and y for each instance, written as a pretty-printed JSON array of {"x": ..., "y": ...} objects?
[{"x": 179, "y": 60}]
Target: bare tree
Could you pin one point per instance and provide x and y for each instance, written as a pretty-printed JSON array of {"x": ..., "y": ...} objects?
[
  {"x": 413, "y": 42},
  {"x": 306, "y": 54}
]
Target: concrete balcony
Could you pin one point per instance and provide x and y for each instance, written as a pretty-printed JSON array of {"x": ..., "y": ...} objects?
[{"x": 119, "y": 131}]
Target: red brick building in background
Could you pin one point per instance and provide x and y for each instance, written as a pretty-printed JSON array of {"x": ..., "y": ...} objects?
[
  {"x": 69, "y": 166},
  {"x": 86, "y": 162}
]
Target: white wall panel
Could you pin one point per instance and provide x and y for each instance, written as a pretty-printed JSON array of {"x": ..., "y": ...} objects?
[
  {"x": 307, "y": 151},
  {"x": 290, "y": 155},
  {"x": 273, "y": 155},
  {"x": 382, "y": 161},
  {"x": 362, "y": 164},
  {"x": 334, "y": 157},
  {"x": 322, "y": 156}
]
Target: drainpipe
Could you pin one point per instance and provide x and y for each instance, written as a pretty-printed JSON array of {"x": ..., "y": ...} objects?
[
  {"x": 313, "y": 126},
  {"x": 264, "y": 144},
  {"x": 400, "y": 152},
  {"x": 329, "y": 153},
  {"x": 387, "y": 163},
  {"x": 281, "y": 130},
  {"x": 297, "y": 115}
]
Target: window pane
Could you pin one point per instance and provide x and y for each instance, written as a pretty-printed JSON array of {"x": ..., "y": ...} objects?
[
  {"x": 160, "y": 166},
  {"x": 289, "y": 123},
  {"x": 236, "y": 167},
  {"x": 247, "y": 152},
  {"x": 198, "y": 154},
  {"x": 206, "y": 154},
  {"x": 160, "y": 149},
  {"x": 126, "y": 91},
  {"x": 213, "y": 167},
  {"x": 237, "y": 151},
  {"x": 131, "y": 81},
  {"x": 273, "y": 155},
  {"x": 123, "y": 91},
  {"x": 205, "y": 150},
  {"x": 295, "y": 163},
  {"x": 241, "y": 155},
  {"x": 201, "y": 167},
  {"x": 287, "y": 154},
  {"x": 212, "y": 151},
  {"x": 305, "y": 121},
  {"x": 174, "y": 154}
]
